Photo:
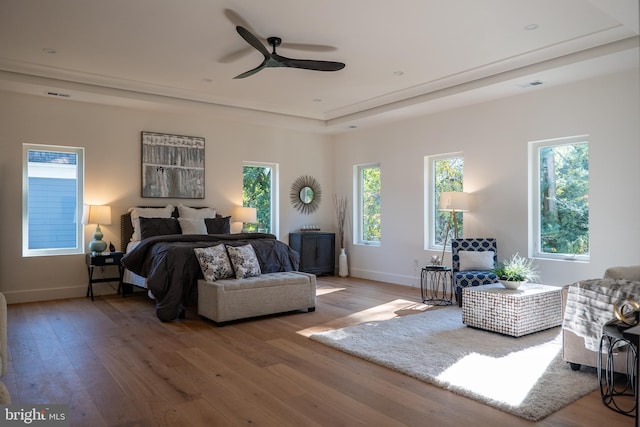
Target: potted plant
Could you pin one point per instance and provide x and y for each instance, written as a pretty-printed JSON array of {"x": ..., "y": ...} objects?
[{"x": 515, "y": 271}]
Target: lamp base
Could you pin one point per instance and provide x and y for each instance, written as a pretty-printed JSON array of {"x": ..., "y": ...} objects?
[{"x": 97, "y": 246}]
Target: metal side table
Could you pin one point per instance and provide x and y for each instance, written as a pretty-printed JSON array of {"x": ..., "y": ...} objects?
[{"x": 436, "y": 285}]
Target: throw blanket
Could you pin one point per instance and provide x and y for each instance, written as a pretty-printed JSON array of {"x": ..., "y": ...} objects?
[
  {"x": 590, "y": 305},
  {"x": 172, "y": 270}
]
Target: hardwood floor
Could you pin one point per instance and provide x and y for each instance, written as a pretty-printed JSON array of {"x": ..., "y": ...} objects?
[{"x": 115, "y": 364}]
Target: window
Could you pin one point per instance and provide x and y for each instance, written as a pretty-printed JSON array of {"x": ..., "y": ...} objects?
[
  {"x": 443, "y": 173},
  {"x": 560, "y": 198},
  {"x": 259, "y": 190},
  {"x": 52, "y": 201},
  {"x": 368, "y": 196}
]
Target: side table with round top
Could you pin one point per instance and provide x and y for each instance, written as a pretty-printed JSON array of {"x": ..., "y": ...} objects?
[{"x": 436, "y": 285}]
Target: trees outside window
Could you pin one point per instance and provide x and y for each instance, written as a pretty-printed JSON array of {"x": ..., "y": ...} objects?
[
  {"x": 561, "y": 198},
  {"x": 369, "y": 218},
  {"x": 258, "y": 192},
  {"x": 444, "y": 173},
  {"x": 53, "y": 185}
]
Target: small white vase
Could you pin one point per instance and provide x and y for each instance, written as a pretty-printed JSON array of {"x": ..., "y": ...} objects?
[
  {"x": 343, "y": 266},
  {"x": 510, "y": 284}
]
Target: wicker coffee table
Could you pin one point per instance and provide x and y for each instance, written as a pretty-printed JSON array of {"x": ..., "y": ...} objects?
[{"x": 515, "y": 312}]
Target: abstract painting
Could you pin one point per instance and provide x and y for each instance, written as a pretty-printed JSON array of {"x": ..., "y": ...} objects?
[{"x": 172, "y": 166}]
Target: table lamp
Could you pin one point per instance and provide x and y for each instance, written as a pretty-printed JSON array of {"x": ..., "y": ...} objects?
[
  {"x": 98, "y": 215},
  {"x": 245, "y": 215}
]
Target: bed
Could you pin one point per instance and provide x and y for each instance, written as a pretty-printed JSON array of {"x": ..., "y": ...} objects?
[{"x": 161, "y": 259}]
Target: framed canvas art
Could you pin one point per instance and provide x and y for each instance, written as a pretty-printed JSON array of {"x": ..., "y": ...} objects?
[{"x": 172, "y": 166}]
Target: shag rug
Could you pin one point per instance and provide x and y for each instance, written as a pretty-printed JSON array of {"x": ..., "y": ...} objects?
[{"x": 523, "y": 376}]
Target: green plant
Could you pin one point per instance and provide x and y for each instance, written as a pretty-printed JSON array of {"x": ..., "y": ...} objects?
[{"x": 516, "y": 269}]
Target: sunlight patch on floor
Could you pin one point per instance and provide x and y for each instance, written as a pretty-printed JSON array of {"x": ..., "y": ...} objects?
[
  {"x": 389, "y": 310},
  {"x": 325, "y": 291},
  {"x": 519, "y": 371}
]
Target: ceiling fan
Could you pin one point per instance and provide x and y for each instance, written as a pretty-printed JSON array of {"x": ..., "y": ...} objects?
[
  {"x": 274, "y": 60},
  {"x": 238, "y": 20}
]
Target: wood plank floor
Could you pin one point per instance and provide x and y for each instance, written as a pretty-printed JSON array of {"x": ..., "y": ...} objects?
[{"x": 115, "y": 364}]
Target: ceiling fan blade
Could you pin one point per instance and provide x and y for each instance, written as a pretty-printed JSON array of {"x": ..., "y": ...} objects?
[
  {"x": 252, "y": 40},
  {"x": 309, "y": 64},
  {"x": 308, "y": 47},
  {"x": 251, "y": 72},
  {"x": 237, "y": 20}
]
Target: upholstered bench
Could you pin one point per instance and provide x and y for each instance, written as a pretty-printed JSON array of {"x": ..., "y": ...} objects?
[{"x": 232, "y": 299}]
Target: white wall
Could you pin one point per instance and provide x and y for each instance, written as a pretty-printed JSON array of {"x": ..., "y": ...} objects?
[
  {"x": 111, "y": 137},
  {"x": 494, "y": 137}
]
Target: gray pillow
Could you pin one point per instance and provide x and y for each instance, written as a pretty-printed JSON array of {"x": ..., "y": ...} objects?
[
  {"x": 150, "y": 227},
  {"x": 218, "y": 225}
]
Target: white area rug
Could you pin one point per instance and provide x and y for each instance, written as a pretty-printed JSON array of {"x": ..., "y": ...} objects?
[{"x": 524, "y": 376}]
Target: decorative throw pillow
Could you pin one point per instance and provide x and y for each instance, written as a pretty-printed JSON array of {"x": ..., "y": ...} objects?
[
  {"x": 187, "y": 212},
  {"x": 218, "y": 225},
  {"x": 214, "y": 262},
  {"x": 150, "y": 227},
  {"x": 192, "y": 226},
  {"x": 136, "y": 213},
  {"x": 476, "y": 260},
  {"x": 244, "y": 261}
]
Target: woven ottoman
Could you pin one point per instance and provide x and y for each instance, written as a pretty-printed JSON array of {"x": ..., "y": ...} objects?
[{"x": 515, "y": 312}]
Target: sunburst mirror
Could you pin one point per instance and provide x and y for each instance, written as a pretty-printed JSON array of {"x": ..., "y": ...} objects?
[{"x": 305, "y": 194}]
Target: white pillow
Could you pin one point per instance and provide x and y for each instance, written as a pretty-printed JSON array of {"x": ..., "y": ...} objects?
[
  {"x": 214, "y": 262},
  {"x": 193, "y": 225},
  {"x": 476, "y": 260},
  {"x": 187, "y": 212},
  {"x": 136, "y": 213}
]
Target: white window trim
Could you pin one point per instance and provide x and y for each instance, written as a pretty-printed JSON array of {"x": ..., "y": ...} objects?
[
  {"x": 534, "y": 198},
  {"x": 79, "y": 249},
  {"x": 430, "y": 199},
  {"x": 275, "y": 193},
  {"x": 357, "y": 213}
]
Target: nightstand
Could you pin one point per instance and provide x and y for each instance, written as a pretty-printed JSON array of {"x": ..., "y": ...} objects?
[{"x": 112, "y": 259}]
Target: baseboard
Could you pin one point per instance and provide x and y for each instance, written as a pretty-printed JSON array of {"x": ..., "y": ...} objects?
[
  {"x": 398, "y": 279},
  {"x": 35, "y": 295}
]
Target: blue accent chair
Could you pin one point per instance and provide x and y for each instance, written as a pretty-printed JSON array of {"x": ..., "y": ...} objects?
[{"x": 462, "y": 279}]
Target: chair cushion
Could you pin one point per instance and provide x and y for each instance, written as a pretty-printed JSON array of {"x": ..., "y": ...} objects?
[{"x": 463, "y": 279}]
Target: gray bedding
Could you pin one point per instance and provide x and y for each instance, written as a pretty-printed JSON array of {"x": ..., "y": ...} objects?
[{"x": 170, "y": 266}]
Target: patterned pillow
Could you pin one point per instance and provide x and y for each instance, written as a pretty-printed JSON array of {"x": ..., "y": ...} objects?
[
  {"x": 244, "y": 261},
  {"x": 214, "y": 262}
]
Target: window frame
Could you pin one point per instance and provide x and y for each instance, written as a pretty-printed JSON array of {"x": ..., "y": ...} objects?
[
  {"x": 358, "y": 213},
  {"x": 275, "y": 194},
  {"x": 79, "y": 208},
  {"x": 430, "y": 202},
  {"x": 535, "y": 250}
]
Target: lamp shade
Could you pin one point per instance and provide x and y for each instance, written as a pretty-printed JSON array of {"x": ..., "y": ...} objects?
[
  {"x": 99, "y": 215},
  {"x": 455, "y": 201},
  {"x": 245, "y": 215}
]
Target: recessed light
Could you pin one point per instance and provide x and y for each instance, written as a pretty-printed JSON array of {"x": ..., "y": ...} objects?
[
  {"x": 352, "y": 127},
  {"x": 207, "y": 80},
  {"x": 49, "y": 50},
  {"x": 531, "y": 27},
  {"x": 317, "y": 100},
  {"x": 398, "y": 73}
]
